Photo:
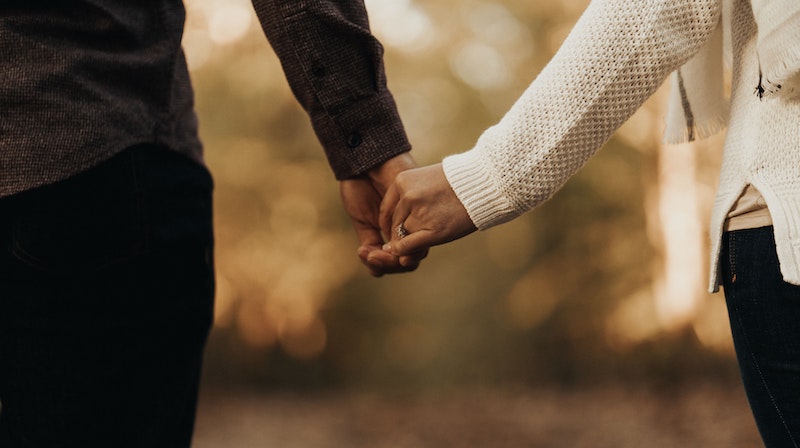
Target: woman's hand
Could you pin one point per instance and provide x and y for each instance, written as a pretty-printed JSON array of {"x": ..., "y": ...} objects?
[{"x": 420, "y": 210}]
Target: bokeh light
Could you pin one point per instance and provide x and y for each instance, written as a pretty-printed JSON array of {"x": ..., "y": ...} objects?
[{"x": 611, "y": 264}]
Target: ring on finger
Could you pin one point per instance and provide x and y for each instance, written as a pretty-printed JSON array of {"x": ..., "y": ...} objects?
[{"x": 401, "y": 231}]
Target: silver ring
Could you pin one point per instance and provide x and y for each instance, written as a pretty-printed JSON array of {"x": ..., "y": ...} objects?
[{"x": 401, "y": 231}]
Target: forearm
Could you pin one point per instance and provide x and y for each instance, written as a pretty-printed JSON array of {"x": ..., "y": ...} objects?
[
  {"x": 334, "y": 66},
  {"x": 617, "y": 55}
]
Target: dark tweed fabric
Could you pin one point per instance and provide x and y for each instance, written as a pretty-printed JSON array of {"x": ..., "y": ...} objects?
[{"x": 81, "y": 80}]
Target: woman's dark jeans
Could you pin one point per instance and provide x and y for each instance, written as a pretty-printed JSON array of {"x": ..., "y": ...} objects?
[
  {"x": 106, "y": 300},
  {"x": 765, "y": 320}
]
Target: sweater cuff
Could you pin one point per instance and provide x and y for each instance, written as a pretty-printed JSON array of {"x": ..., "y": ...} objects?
[{"x": 470, "y": 179}]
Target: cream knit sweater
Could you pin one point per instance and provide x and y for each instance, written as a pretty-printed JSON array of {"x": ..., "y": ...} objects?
[{"x": 618, "y": 54}]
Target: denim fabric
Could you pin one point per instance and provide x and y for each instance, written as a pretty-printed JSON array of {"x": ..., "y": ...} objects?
[
  {"x": 765, "y": 320},
  {"x": 106, "y": 300}
]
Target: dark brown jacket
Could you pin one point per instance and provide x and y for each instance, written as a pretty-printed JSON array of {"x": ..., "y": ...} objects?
[{"x": 81, "y": 80}]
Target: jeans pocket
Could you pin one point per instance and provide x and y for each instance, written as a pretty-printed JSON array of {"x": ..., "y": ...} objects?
[{"x": 83, "y": 224}]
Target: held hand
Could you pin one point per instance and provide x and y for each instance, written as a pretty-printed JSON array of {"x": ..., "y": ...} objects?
[
  {"x": 361, "y": 198},
  {"x": 420, "y": 210}
]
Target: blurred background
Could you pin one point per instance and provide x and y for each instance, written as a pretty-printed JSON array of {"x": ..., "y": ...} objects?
[{"x": 583, "y": 323}]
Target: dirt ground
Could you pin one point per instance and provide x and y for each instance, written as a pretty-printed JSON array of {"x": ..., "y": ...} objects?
[{"x": 705, "y": 415}]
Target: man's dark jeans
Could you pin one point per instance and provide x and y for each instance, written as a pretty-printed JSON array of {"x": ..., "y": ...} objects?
[
  {"x": 106, "y": 300},
  {"x": 765, "y": 320}
]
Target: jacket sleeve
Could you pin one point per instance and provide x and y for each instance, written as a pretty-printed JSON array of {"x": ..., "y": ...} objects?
[
  {"x": 334, "y": 66},
  {"x": 616, "y": 57}
]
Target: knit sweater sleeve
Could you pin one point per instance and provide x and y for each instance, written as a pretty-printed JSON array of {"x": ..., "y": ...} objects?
[{"x": 617, "y": 56}]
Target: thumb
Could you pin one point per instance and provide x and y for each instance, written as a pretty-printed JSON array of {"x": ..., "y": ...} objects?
[{"x": 410, "y": 244}]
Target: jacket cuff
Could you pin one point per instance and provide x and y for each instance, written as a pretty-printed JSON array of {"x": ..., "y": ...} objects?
[{"x": 363, "y": 136}]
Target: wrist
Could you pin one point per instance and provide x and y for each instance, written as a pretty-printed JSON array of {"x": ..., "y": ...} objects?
[{"x": 383, "y": 175}]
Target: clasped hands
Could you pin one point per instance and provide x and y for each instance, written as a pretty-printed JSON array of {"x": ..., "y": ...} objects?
[{"x": 399, "y": 196}]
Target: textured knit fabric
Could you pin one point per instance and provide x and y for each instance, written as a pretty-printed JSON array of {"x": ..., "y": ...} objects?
[
  {"x": 697, "y": 105},
  {"x": 81, "y": 80},
  {"x": 618, "y": 54},
  {"x": 779, "y": 45}
]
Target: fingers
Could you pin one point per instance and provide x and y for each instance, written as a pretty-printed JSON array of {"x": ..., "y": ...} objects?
[
  {"x": 414, "y": 244},
  {"x": 414, "y": 258},
  {"x": 387, "y": 211},
  {"x": 378, "y": 261},
  {"x": 362, "y": 202},
  {"x": 419, "y": 199},
  {"x": 382, "y": 262},
  {"x": 395, "y": 215},
  {"x": 428, "y": 208},
  {"x": 367, "y": 236},
  {"x": 370, "y": 240}
]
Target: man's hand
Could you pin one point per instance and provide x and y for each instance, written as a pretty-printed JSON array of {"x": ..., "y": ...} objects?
[{"x": 361, "y": 198}]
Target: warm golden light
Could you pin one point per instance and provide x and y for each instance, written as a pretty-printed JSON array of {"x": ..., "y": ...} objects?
[
  {"x": 401, "y": 24},
  {"x": 228, "y": 22},
  {"x": 682, "y": 280},
  {"x": 286, "y": 253}
]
